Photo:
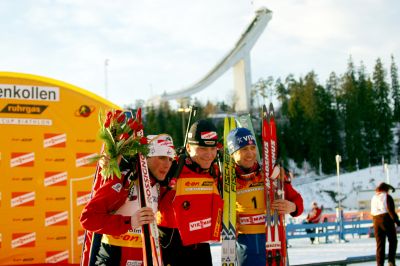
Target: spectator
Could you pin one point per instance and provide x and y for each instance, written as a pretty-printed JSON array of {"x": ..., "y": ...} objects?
[
  {"x": 313, "y": 217},
  {"x": 384, "y": 218}
]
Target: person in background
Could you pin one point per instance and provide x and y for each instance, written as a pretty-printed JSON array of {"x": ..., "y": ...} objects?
[
  {"x": 191, "y": 207},
  {"x": 313, "y": 217},
  {"x": 250, "y": 199},
  {"x": 114, "y": 210},
  {"x": 384, "y": 218}
]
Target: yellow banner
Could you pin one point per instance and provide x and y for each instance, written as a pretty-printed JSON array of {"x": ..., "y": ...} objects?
[{"x": 48, "y": 135}]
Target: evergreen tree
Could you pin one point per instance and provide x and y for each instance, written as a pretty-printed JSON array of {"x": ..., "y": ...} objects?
[
  {"x": 395, "y": 90},
  {"x": 396, "y": 101},
  {"x": 352, "y": 118},
  {"x": 296, "y": 132},
  {"x": 384, "y": 114},
  {"x": 368, "y": 119}
]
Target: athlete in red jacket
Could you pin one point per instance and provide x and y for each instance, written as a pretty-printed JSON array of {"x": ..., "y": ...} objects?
[
  {"x": 114, "y": 214},
  {"x": 191, "y": 208}
]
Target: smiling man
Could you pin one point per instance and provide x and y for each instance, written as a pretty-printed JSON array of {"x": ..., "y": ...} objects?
[{"x": 191, "y": 207}]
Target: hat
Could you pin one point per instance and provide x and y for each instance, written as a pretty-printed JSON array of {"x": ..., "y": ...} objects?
[
  {"x": 239, "y": 138},
  {"x": 203, "y": 133},
  {"x": 161, "y": 145}
]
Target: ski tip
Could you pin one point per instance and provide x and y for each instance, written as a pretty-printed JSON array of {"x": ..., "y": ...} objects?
[
  {"x": 264, "y": 111},
  {"x": 271, "y": 108},
  {"x": 139, "y": 115}
]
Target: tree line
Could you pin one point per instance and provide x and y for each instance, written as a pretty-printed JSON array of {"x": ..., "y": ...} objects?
[{"x": 355, "y": 115}]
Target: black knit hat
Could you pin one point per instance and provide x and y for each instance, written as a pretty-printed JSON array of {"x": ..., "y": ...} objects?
[
  {"x": 385, "y": 187},
  {"x": 203, "y": 133}
]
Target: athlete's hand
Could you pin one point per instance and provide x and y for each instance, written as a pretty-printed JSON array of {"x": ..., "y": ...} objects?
[
  {"x": 143, "y": 216},
  {"x": 283, "y": 206}
]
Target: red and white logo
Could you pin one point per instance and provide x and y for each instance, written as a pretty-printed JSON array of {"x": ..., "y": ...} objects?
[
  {"x": 252, "y": 219},
  {"x": 197, "y": 225},
  {"x": 81, "y": 237},
  {"x": 22, "y": 159},
  {"x": 54, "y": 140},
  {"x": 83, "y": 197},
  {"x": 23, "y": 240},
  {"x": 209, "y": 135},
  {"x": 55, "y": 179},
  {"x": 57, "y": 256},
  {"x": 56, "y": 218},
  {"x": 84, "y": 159},
  {"x": 20, "y": 199}
]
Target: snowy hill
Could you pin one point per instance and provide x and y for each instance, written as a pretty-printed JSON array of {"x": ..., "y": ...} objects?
[{"x": 352, "y": 185}]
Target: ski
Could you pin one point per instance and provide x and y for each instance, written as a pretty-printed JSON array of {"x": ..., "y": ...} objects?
[
  {"x": 150, "y": 238},
  {"x": 274, "y": 223},
  {"x": 228, "y": 256}
]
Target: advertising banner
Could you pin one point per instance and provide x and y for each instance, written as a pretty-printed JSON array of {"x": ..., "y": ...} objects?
[{"x": 48, "y": 135}]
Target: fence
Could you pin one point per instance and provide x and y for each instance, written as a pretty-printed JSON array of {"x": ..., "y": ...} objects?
[{"x": 324, "y": 230}]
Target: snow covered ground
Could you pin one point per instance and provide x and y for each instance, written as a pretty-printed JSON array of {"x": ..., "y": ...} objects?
[
  {"x": 320, "y": 189},
  {"x": 302, "y": 252}
]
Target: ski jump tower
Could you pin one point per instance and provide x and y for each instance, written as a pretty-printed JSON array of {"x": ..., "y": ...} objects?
[{"x": 238, "y": 58}]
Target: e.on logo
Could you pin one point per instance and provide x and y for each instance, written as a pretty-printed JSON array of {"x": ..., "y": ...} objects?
[
  {"x": 22, "y": 159},
  {"x": 54, "y": 140},
  {"x": 192, "y": 183},
  {"x": 197, "y": 225},
  {"x": 21, "y": 199},
  {"x": 83, "y": 197},
  {"x": 23, "y": 240},
  {"x": 56, "y": 218},
  {"x": 57, "y": 256},
  {"x": 55, "y": 179}
]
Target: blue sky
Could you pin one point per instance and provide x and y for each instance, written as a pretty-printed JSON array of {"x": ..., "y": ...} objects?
[{"x": 156, "y": 46}]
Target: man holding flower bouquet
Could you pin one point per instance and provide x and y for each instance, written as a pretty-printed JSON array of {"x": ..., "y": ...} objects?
[{"x": 114, "y": 210}]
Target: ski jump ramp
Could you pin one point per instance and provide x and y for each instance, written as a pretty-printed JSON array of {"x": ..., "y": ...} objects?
[{"x": 238, "y": 58}]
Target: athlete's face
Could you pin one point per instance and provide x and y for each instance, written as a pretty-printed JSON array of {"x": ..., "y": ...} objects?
[
  {"x": 246, "y": 156},
  {"x": 159, "y": 166},
  {"x": 201, "y": 155}
]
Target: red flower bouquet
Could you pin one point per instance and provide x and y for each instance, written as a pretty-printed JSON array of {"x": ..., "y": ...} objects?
[{"x": 121, "y": 139}]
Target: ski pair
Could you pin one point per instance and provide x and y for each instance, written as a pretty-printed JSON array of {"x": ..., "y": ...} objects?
[
  {"x": 150, "y": 237},
  {"x": 228, "y": 257},
  {"x": 273, "y": 180}
]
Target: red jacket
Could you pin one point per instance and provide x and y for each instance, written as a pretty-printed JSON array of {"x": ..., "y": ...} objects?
[
  {"x": 314, "y": 215},
  {"x": 194, "y": 206},
  {"x": 109, "y": 213}
]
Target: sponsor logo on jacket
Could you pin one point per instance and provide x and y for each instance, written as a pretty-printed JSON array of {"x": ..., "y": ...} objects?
[{"x": 201, "y": 224}]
